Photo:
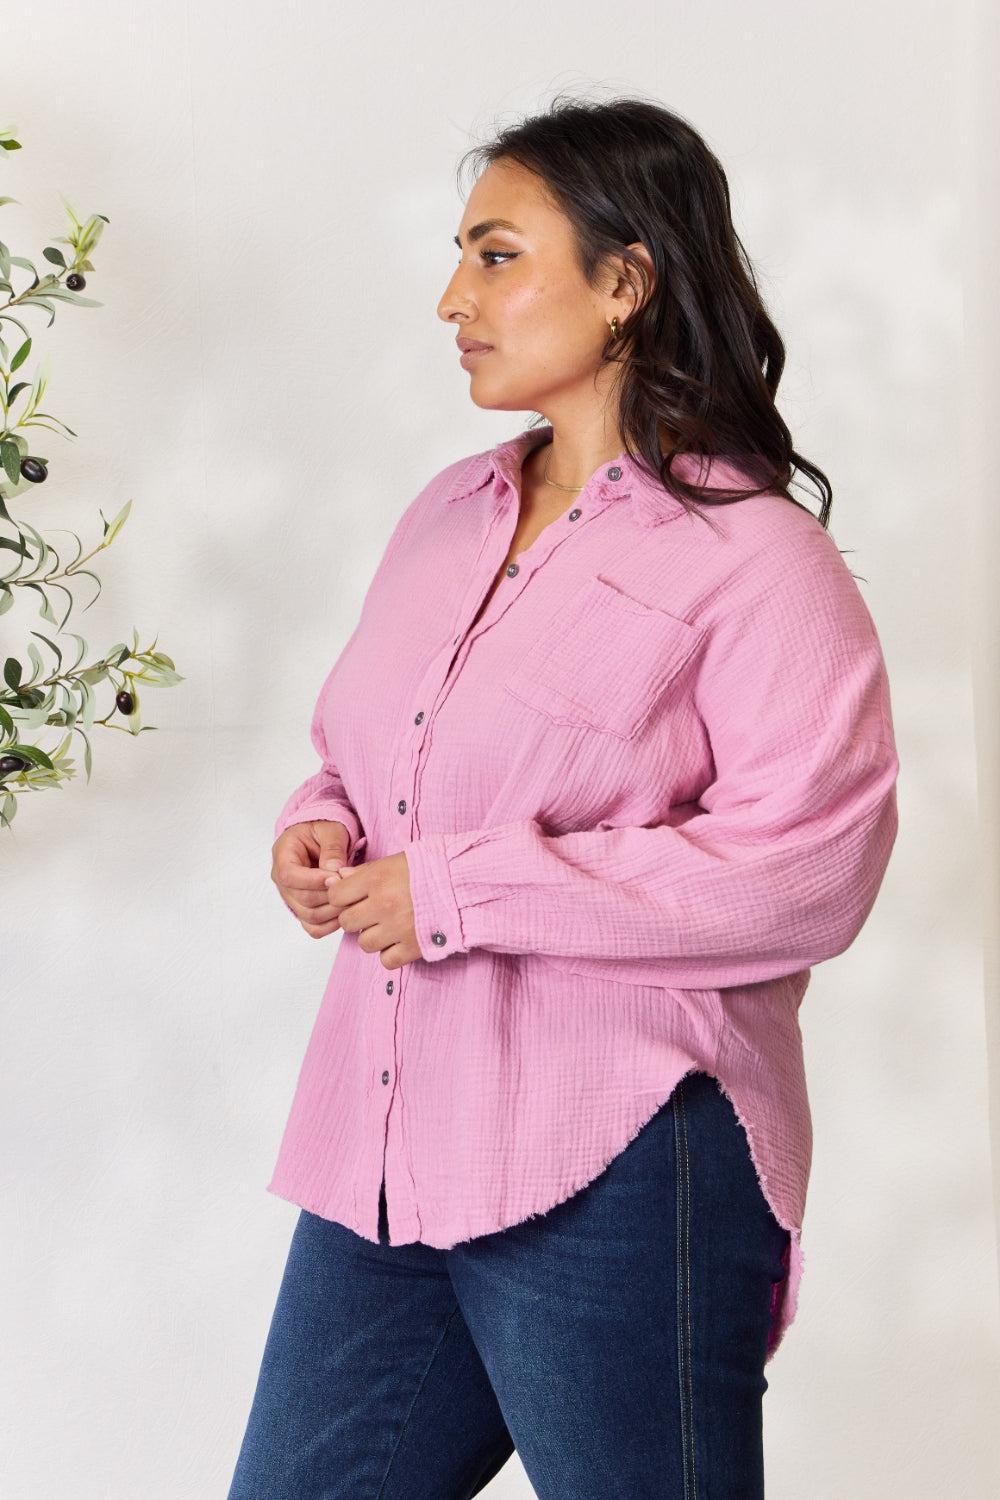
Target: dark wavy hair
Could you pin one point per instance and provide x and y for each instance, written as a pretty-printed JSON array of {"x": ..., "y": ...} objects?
[{"x": 700, "y": 355}]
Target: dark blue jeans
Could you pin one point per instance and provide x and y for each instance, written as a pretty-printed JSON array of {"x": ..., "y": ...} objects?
[{"x": 617, "y": 1341}]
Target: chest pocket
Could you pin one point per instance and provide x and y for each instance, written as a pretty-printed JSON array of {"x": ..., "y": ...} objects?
[{"x": 603, "y": 661}]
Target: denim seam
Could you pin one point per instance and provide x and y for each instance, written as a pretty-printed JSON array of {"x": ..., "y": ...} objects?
[{"x": 684, "y": 1301}]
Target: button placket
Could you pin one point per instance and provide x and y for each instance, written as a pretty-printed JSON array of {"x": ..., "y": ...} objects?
[
  {"x": 405, "y": 777},
  {"x": 555, "y": 535},
  {"x": 386, "y": 1030},
  {"x": 383, "y": 1027}
]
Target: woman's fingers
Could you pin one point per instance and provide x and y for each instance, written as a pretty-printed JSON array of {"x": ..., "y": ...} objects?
[
  {"x": 301, "y": 883},
  {"x": 322, "y": 929}
]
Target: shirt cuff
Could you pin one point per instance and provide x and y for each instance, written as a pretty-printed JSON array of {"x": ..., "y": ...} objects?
[
  {"x": 436, "y": 916},
  {"x": 328, "y": 810}
]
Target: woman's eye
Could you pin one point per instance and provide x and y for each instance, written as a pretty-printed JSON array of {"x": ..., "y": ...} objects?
[{"x": 492, "y": 256}]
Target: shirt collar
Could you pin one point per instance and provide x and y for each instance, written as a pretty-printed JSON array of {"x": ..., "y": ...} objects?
[{"x": 654, "y": 503}]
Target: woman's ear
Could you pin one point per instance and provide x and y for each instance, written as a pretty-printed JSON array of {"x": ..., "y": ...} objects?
[{"x": 630, "y": 283}]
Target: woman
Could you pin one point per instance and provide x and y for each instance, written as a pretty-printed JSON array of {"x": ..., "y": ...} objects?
[{"x": 607, "y": 764}]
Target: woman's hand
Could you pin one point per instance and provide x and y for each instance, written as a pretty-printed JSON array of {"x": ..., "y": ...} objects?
[
  {"x": 374, "y": 901},
  {"x": 300, "y": 860}
]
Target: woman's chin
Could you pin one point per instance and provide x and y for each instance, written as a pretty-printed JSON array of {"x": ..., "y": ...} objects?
[{"x": 491, "y": 399}]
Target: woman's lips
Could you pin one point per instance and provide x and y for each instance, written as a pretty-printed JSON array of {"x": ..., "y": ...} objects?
[{"x": 471, "y": 355}]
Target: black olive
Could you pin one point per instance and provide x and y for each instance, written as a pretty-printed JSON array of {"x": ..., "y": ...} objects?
[{"x": 33, "y": 469}]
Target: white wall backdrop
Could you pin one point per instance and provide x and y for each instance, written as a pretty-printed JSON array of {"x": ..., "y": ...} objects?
[{"x": 270, "y": 384}]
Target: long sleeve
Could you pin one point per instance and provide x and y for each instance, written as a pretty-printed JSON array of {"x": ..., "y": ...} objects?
[
  {"x": 323, "y": 795},
  {"x": 781, "y": 865}
]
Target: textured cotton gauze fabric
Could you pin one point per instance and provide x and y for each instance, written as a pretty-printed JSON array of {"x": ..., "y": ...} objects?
[{"x": 639, "y": 798}]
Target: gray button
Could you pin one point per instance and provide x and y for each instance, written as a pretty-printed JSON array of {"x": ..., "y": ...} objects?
[
  {"x": 512, "y": 568},
  {"x": 575, "y": 515},
  {"x": 385, "y": 1076},
  {"x": 390, "y": 986},
  {"x": 614, "y": 472},
  {"x": 420, "y": 717},
  {"x": 438, "y": 939},
  {"x": 401, "y": 806}
]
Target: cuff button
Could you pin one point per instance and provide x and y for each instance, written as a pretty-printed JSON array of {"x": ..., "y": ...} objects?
[{"x": 438, "y": 939}]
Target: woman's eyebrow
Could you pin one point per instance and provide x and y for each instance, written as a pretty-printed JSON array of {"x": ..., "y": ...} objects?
[{"x": 478, "y": 230}]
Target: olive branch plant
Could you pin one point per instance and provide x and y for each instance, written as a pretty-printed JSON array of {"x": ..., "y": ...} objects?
[{"x": 61, "y": 694}]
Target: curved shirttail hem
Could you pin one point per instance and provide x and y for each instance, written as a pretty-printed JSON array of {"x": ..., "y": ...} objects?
[{"x": 784, "y": 1293}]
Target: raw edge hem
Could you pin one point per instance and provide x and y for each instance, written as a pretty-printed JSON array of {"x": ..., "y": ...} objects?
[{"x": 785, "y": 1293}]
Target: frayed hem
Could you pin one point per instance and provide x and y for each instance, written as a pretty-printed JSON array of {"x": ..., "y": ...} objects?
[
  {"x": 584, "y": 1180},
  {"x": 784, "y": 1293}
]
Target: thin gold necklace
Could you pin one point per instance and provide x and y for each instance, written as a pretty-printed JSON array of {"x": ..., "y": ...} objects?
[{"x": 572, "y": 489}]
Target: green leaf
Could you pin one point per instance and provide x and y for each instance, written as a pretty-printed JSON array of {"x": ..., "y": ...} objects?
[
  {"x": 86, "y": 573},
  {"x": 46, "y": 608},
  {"x": 52, "y": 646},
  {"x": 112, "y": 529},
  {"x": 64, "y": 294},
  {"x": 10, "y": 457},
  {"x": 69, "y": 606},
  {"x": 63, "y": 745},
  {"x": 55, "y": 256},
  {"x": 33, "y": 753},
  {"x": 36, "y": 421},
  {"x": 20, "y": 356},
  {"x": 8, "y": 318},
  {"x": 36, "y": 661},
  {"x": 82, "y": 644},
  {"x": 12, "y": 673},
  {"x": 41, "y": 302}
]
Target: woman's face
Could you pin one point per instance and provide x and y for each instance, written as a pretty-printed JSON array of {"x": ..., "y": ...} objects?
[{"x": 521, "y": 291}]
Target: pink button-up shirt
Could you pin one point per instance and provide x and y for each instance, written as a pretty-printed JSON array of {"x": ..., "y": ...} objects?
[{"x": 638, "y": 799}]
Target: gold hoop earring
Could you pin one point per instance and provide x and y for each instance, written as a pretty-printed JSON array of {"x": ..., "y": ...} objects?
[{"x": 614, "y": 328}]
